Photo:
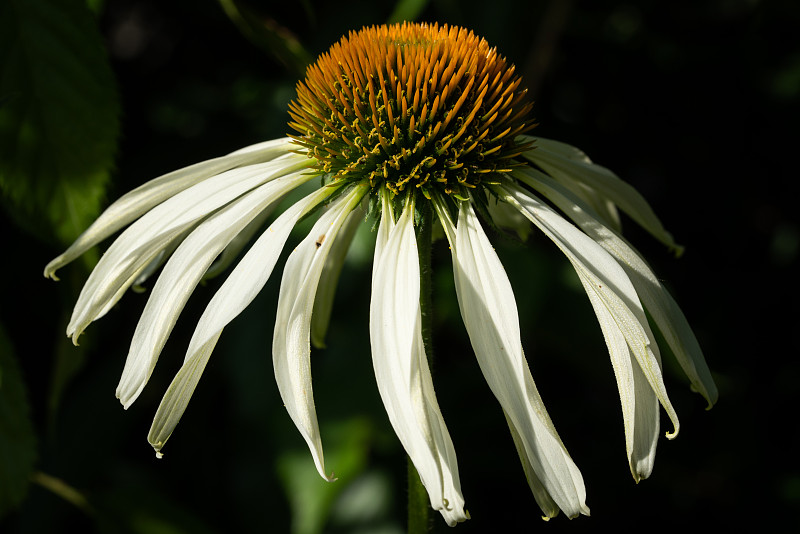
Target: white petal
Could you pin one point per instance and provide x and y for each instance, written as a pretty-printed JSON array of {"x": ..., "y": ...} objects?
[
  {"x": 329, "y": 279},
  {"x": 609, "y": 280},
  {"x": 605, "y": 209},
  {"x": 291, "y": 349},
  {"x": 385, "y": 228},
  {"x": 540, "y": 494},
  {"x": 132, "y": 205},
  {"x": 235, "y": 294},
  {"x": 663, "y": 309},
  {"x": 141, "y": 242},
  {"x": 489, "y": 311},
  {"x": 401, "y": 366},
  {"x": 151, "y": 269},
  {"x": 182, "y": 273},
  {"x": 238, "y": 243},
  {"x": 639, "y": 404},
  {"x": 567, "y": 162}
]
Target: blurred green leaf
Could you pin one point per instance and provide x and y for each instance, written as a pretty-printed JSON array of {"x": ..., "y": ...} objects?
[
  {"x": 310, "y": 497},
  {"x": 17, "y": 440},
  {"x": 154, "y": 512},
  {"x": 96, "y": 6},
  {"x": 59, "y": 116},
  {"x": 407, "y": 10}
]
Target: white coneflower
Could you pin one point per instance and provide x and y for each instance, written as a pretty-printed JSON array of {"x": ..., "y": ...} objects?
[{"x": 400, "y": 124}]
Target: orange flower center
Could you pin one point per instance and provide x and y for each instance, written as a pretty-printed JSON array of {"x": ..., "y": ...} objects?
[{"x": 409, "y": 104}]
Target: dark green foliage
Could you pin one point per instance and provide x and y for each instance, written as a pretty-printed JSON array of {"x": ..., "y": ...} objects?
[
  {"x": 58, "y": 118},
  {"x": 17, "y": 439}
]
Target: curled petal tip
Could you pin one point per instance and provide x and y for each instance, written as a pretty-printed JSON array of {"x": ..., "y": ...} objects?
[
  {"x": 50, "y": 271},
  {"x": 642, "y": 469},
  {"x": 711, "y": 400},
  {"x": 159, "y": 455},
  {"x": 711, "y": 397},
  {"x": 635, "y": 474},
  {"x": 584, "y": 510},
  {"x": 673, "y": 434}
]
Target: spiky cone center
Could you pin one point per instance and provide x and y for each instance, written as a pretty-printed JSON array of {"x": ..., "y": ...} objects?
[{"x": 411, "y": 106}]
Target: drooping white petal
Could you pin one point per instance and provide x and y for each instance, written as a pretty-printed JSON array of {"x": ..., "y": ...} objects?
[
  {"x": 132, "y": 205},
  {"x": 329, "y": 279},
  {"x": 142, "y": 241},
  {"x": 385, "y": 228},
  {"x": 238, "y": 243},
  {"x": 664, "y": 311},
  {"x": 540, "y": 494},
  {"x": 489, "y": 311},
  {"x": 674, "y": 326},
  {"x": 401, "y": 365},
  {"x": 235, "y": 294},
  {"x": 567, "y": 163},
  {"x": 605, "y": 209},
  {"x": 291, "y": 349},
  {"x": 609, "y": 281},
  {"x": 150, "y": 270},
  {"x": 138, "y": 277},
  {"x": 640, "y": 413},
  {"x": 182, "y": 273}
]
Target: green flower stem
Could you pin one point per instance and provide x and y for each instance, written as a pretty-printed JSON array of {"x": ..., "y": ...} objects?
[
  {"x": 419, "y": 509},
  {"x": 424, "y": 246}
]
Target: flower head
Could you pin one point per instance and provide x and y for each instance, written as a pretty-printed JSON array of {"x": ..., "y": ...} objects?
[
  {"x": 403, "y": 125},
  {"x": 412, "y": 107}
]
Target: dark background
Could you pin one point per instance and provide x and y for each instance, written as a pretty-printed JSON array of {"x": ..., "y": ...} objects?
[{"x": 694, "y": 103}]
